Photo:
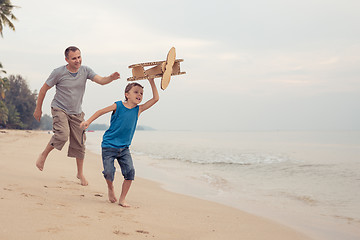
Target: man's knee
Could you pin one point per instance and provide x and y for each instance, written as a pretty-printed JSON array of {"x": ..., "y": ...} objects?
[
  {"x": 63, "y": 137},
  {"x": 78, "y": 153},
  {"x": 59, "y": 139}
]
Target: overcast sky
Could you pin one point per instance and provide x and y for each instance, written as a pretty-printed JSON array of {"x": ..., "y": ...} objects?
[{"x": 251, "y": 65}]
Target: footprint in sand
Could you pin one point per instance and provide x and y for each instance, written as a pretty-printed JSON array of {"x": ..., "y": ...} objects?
[
  {"x": 51, "y": 230},
  {"x": 117, "y": 232},
  {"x": 10, "y": 187},
  {"x": 27, "y": 195}
]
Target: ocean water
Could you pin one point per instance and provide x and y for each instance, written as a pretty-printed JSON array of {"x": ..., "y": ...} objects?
[{"x": 309, "y": 181}]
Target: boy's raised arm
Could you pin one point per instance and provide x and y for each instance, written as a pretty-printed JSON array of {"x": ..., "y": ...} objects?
[
  {"x": 86, "y": 124},
  {"x": 153, "y": 100}
]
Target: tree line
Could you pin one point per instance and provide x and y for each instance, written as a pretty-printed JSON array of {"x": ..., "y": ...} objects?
[{"x": 17, "y": 105}]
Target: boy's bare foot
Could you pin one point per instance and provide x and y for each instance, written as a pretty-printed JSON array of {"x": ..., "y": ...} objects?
[
  {"x": 112, "y": 197},
  {"x": 124, "y": 204},
  {"x": 83, "y": 180},
  {"x": 40, "y": 162}
]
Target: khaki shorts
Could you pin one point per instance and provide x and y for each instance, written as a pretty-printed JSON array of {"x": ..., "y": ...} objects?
[{"x": 67, "y": 126}]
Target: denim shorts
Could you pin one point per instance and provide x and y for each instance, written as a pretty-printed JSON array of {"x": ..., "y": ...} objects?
[{"x": 124, "y": 159}]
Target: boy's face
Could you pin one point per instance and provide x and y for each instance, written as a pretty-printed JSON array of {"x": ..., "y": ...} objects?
[{"x": 135, "y": 95}]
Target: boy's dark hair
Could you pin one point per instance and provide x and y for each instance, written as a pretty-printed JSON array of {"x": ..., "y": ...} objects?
[
  {"x": 130, "y": 86},
  {"x": 71, "y": 48}
]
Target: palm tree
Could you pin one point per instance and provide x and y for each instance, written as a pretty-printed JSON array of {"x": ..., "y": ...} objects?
[
  {"x": 6, "y": 15},
  {"x": 4, "y": 86},
  {"x": 4, "y": 83}
]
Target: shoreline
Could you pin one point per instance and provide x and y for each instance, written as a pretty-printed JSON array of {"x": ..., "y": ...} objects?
[{"x": 53, "y": 204}]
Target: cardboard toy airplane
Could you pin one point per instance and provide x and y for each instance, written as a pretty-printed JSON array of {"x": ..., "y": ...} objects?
[{"x": 164, "y": 69}]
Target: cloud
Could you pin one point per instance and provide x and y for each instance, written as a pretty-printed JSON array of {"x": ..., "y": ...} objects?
[
  {"x": 329, "y": 61},
  {"x": 229, "y": 56}
]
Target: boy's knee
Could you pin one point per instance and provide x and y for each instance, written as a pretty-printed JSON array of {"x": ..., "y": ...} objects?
[
  {"x": 130, "y": 175},
  {"x": 109, "y": 175}
]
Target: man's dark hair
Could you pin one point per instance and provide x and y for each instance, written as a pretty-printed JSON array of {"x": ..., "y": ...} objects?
[{"x": 71, "y": 48}]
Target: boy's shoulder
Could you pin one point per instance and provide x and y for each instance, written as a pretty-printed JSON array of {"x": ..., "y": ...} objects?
[{"x": 119, "y": 103}]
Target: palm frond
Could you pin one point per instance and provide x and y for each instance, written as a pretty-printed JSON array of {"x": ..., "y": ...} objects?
[
  {"x": 7, "y": 22},
  {"x": 5, "y": 15}
]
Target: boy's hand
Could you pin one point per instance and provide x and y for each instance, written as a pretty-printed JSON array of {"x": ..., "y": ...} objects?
[{"x": 84, "y": 125}]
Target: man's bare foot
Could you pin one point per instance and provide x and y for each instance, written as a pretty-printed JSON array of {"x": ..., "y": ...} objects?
[
  {"x": 83, "y": 180},
  {"x": 40, "y": 162},
  {"x": 124, "y": 204},
  {"x": 112, "y": 197}
]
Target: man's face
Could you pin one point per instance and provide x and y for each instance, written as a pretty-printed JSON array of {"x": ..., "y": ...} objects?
[{"x": 74, "y": 60}]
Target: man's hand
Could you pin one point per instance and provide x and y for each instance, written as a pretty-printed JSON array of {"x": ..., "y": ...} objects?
[
  {"x": 37, "y": 114},
  {"x": 114, "y": 76}
]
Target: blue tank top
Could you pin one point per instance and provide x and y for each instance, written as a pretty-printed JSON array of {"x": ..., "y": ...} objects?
[{"x": 122, "y": 127}]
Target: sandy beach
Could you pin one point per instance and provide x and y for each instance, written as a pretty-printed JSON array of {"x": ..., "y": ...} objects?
[{"x": 53, "y": 205}]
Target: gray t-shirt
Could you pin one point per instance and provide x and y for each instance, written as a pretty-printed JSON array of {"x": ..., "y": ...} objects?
[{"x": 69, "y": 89}]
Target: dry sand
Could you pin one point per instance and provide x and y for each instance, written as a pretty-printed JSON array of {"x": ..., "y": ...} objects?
[{"x": 53, "y": 205}]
